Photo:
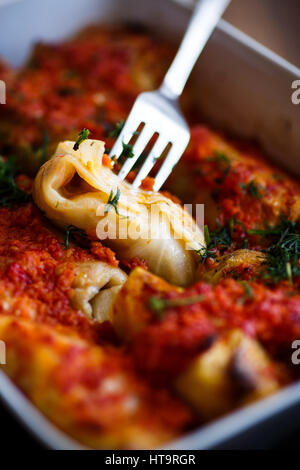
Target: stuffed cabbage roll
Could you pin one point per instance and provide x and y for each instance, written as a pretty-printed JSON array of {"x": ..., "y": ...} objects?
[
  {"x": 95, "y": 287},
  {"x": 74, "y": 187},
  {"x": 130, "y": 313},
  {"x": 89, "y": 391},
  {"x": 241, "y": 264},
  {"x": 234, "y": 371},
  {"x": 218, "y": 366}
]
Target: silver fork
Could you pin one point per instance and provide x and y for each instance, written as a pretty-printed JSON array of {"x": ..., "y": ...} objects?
[{"x": 158, "y": 110}]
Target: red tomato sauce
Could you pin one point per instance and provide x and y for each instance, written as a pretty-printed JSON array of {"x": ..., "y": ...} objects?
[{"x": 91, "y": 82}]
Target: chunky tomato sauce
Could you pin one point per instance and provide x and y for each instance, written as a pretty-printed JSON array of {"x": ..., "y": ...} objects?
[
  {"x": 270, "y": 315},
  {"x": 91, "y": 82}
]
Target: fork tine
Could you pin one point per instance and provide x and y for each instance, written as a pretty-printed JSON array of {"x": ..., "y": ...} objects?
[
  {"x": 172, "y": 158},
  {"x": 138, "y": 148},
  {"x": 125, "y": 135},
  {"x": 156, "y": 151}
]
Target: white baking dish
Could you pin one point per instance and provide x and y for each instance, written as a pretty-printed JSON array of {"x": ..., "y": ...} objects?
[{"x": 241, "y": 86}]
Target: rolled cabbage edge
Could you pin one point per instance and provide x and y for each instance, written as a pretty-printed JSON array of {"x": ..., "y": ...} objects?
[{"x": 171, "y": 249}]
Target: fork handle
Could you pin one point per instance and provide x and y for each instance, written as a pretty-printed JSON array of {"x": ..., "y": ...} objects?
[{"x": 206, "y": 15}]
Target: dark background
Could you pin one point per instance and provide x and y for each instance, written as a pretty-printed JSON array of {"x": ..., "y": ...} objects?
[{"x": 15, "y": 439}]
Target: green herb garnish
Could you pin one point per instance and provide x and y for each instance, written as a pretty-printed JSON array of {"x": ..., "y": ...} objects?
[
  {"x": 245, "y": 243},
  {"x": 158, "y": 305},
  {"x": 219, "y": 157},
  {"x": 219, "y": 239},
  {"x": 71, "y": 230},
  {"x": 223, "y": 236},
  {"x": 224, "y": 162},
  {"x": 204, "y": 253},
  {"x": 112, "y": 202},
  {"x": 127, "y": 150},
  {"x": 206, "y": 235},
  {"x": 252, "y": 189},
  {"x": 10, "y": 193},
  {"x": 283, "y": 252},
  {"x": 248, "y": 290},
  {"x": 289, "y": 272},
  {"x": 114, "y": 133},
  {"x": 231, "y": 225},
  {"x": 83, "y": 135}
]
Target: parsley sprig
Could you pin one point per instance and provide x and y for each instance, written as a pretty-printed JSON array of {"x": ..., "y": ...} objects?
[
  {"x": 220, "y": 158},
  {"x": 114, "y": 133},
  {"x": 158, "y": 305},
  {"x": 224, "y": 164},
  {"x": 253, "y": 189},
  {"x": 127, "y": 150},
  {"x": 283, "y": 252},
  {"x": 77, "y": 233},
  {"x": 83, "y": 135},
  {"x": 112, "y": 202},
  {"x": 248, "y": 292},
  {"x": 221, "y": 238}
]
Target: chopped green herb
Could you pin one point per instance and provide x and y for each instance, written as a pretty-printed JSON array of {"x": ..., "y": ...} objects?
[
  {"x": 114, "y": 133},
  {"x": 239, "y": 222},
  {"x": 247, "y": 288},
  {"x": 158, "y": 304},
  {"x": 224, "y": 162},
  {"x": 204, "y": 254},
  {"x": 127, "y": 150},
  {"x": 285, "y": 227},
  {"x": 206, "y": 235},
  {"x": 231, "y": 224},
  {"x": 219, "y": 157},
  {"x": 289, "y": 272},
  {"x": 222, "y": 237},
  {"x": 283, "y": 251},
  {"x": 10, "y": 193},
  {"x": 83, "y": 135},
  {"x": 219, "y": 239},
  {"x": 252, "y": 189},
  {"x": 263, "y": 233},
  {"x": 112, "y": 202},
  {"x": 222, "y": 157},
  {"x": 248, "y": 292},
  {"x": 71, "y": 230},
  {"x": 245, "y": 243}
]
